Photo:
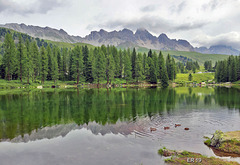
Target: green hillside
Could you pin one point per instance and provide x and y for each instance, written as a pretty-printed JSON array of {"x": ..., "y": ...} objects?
[
  {"x": 194, "y": 56},
  {"x": 68, "y": 45}
]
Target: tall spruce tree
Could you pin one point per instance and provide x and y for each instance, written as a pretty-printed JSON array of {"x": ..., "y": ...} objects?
[
  {"x": 71, "y": 64},
  {"x": 175, "y": 68},
  {"x": 55, "y": 74},
  {"x": 78, "y": 64},
  {"x": 110, "y": 68},
  {"x": 21, "y": 58},
  {"x": 99, "y": 65},
  {"x": 87, "y": 65},
  {"x": 150, "y": 53},
  {"x": 170, "y": 68},
  {"x": 127, "y": 66},
  {"x": 44, "y": 64},
  {"x": 50, "y": 62},
  {"x": 134, "y": 57},
  {"x": 153, "y": 72},
  {"x": 9, "y": 56},
  {"x": 139, "y": 67},
  {"x": 121, "y": 65},
  {"x": 29, "y": 61},
  {"x": 9, "y": 59},
  {"x": 64, "y": 64},
  {"x": 35, "y": 60}
]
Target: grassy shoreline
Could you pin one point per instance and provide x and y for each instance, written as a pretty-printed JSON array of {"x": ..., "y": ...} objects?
[
  {"x": 225, "y": 144},
  {"x": 181, "y": 80},
  {"x": 187, "y": 158}
]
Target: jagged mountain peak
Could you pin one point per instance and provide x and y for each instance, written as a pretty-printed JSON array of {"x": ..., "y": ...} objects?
[{"x": 124, "y": 37}]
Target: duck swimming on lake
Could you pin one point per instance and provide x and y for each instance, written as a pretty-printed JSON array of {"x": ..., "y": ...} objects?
[
  {"x": 153, "y": 129},
  {"x": 177, "y": 125}
]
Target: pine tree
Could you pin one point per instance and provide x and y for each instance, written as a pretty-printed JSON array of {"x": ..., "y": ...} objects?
[
  {"x": 238, "y": 67},
  {"x": 134, "y": 56},
  {"x": 99, "y": 64},
  {"x": 164, "y": 78},
  {"x": 29, "y": 61},
  {"x": 9, "y": 56},
  {"x": 87, "y": 65},
  {"x": 71, "y": 63},
  {"x": 50, "y": 63},
  {"x": 190, "y": 77},
  {"x": 153, "y": 72},
  {"x": 150, "y": 53},
  {"x": 44, "y": 64},
  {"x": 170, "y": 69},
  {"x": 35, "y": 60},
  {"x": 78, "y": 63},
  {"x": 110, "y": 68},
  {"x": 139, "y": 67},
  {"x": 59, "y": 59},
  {"x": 64, "y": 64},
  {"x": 21, "y": 58},
  {"x": 174, "y": 68},
  {"x": 121, "y": 63},
  {"x": 55, "y": 74},
  {"x": 127, "y": 66}
]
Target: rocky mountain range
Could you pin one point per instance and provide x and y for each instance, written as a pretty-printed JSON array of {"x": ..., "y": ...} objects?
[{"x": 123, "y": 38}]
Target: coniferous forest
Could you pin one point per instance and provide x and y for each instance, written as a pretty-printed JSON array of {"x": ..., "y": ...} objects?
[
  {"x": 34, "y": 60},
  {"x": 26, "y": 60}
]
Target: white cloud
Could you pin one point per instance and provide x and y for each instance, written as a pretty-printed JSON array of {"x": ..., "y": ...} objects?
[{"x": 183, "y": 19}]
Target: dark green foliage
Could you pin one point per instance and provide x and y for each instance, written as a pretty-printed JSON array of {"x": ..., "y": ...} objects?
[
  {"x": 9, "y": 56},
  {"x": 81, "y": 64},
  {"x": 77, "y": 64},
  {"x": 127, "y": 65},
  {"x": 35, "y": 60},
  {"x": 150, "y": 53},
  {"x": 63, "y": 72},
  {"x": 171, "y": 69},
  {"x": 99, "y": 64},
  {"x": 87, "y": 65},
  {"x": 44, "y": 64},
  {"x": 134, "y": 57},
  {"x": 190, "y": 77},
  {"x": 162, "y": 71},
  {"x": 208, "y": 65},
  {"x": 110, "y": 68},
  {"x": 28, "y": 61},
  {"x": 153, "y": 72},
  {"x": 139, "y": 68},
  {"x": 227, "y": 70},
  {"x": 21, "y": 58},
  {"x": 180, "y": 67},
  {"x": 50, "y": 63}
]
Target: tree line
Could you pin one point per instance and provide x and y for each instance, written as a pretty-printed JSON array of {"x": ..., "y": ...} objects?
[
  {"x": 26, "y": 60},
  {"x": 228, "y": 70}
]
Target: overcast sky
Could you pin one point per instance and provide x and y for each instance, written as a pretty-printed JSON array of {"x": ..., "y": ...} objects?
[{"x": 202, "y": 23}]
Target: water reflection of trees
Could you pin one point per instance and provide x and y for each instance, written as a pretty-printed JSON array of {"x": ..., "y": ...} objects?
[
  {"x": 228, "y": 97},
  {"x": 25, "y": 112}
]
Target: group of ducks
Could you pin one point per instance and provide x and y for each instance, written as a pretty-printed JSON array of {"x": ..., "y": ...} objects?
[{"x": 165, "y": 128}]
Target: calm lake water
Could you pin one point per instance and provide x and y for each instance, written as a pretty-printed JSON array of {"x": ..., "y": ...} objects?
[{"x": 93, "y": 127}]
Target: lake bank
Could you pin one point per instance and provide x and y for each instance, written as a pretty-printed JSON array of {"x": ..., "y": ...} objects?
[
  {"x": 187, "y": 158},
  {"x": 225, "y": 144},
  {"x": 4, "y": 84}
]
